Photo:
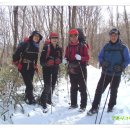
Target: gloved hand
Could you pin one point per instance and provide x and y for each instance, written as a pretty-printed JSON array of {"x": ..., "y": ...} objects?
[
  {"x": 50, "y": 62},
  {"x": 78, "y": 57},
  {"x": 105, "y": 64},
  {"x": 57, "y": 61},
  {"x": 19, "y": 67},
  {"x": 36, "y": 68},
  {"x": 118, "y": 68},
  {"x": 64, "y": 61}
]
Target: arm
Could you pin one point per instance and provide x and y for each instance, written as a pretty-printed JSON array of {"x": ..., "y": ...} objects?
[
  {"x": 100, "y": 56},
  {"x": 17, "y": 54},
  {"x": 126, "y": 55}
]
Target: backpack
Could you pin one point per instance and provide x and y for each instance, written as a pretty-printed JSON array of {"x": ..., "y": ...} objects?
[
  {"x": 120, "y": 50},
  {"x": 82, "y": 38}
]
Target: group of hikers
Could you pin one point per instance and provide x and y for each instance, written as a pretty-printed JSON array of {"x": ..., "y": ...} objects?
[{"x": 114, "y": 57}]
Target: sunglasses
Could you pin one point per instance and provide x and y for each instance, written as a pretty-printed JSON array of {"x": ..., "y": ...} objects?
[
  {"x": 73, "y": 35},
  {"x": 54, "y": 37}
]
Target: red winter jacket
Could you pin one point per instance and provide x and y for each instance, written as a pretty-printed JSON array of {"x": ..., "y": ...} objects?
[{"x": 72, "y": 50}]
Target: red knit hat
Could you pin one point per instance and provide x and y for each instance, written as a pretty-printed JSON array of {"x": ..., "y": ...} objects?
[
  {"x": 53, "y": 34},
  {"x": 73, "y": 32}
]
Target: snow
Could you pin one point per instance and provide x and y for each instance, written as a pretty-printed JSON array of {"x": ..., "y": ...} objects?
[{"x": 62, "y": 115}]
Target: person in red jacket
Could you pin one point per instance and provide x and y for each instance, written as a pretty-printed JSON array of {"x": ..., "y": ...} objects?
[
  {"x": 77, "y": 57},
  {"x": 50, "y": 59}
]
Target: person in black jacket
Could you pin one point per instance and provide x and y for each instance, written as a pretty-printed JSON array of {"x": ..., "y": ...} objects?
[
  {"x": 25, "y": 58},
  {"x": 50, "y": 59}
]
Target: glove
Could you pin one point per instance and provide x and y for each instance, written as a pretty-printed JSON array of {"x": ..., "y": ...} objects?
[
  {"x": 78, "y": 57},
  {"x": 19, "y": 67},
  {"x": 105, "y": 65},
  {"x": 36, "y": 68},
  {"x": 50, "y": 62},
  {"x": 64, "y": 61},
  {"x": 57, "y": 61},
  {"x": 118, "y": 68}
]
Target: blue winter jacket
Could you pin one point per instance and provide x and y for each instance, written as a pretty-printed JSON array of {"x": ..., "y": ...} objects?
[{"x": 114, "y": 54}]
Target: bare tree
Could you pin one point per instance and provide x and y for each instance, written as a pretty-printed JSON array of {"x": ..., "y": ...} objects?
[
  {"x": 74, "y": 17},
  {"x": 69, "y": 7},
  {"x": 111, "y": 20},
  {"x": 127, "y": 26},
  {"x": 117, "y": 17},
  {"x": 23, "y": 19},
  {"x": 15, "y": 33}
]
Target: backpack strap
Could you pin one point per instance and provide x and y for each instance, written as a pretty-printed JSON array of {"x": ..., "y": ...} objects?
[
  {"x": 120, "y": 50},
  {"x": 24, "y": 51},
  {"x": 48, "y": 51},
  {"x": 79, "y": 47}
]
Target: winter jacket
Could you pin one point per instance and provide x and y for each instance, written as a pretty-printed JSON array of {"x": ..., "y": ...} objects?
[
  {"x": 49, "y": 52},
  {"x": 81, "y": 49},
  {"x": 26, "y": 51},
  {"x": 114, "y": 54}
]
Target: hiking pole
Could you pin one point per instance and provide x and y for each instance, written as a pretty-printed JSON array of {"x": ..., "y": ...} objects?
[
  {"x": 40, "y": 79},
  {"x": 51, "y": 99},
  {"x": 101, "y": 97},
  {"x": 42, "y": 89},
  {"x": 57, "y": 81},
  {"x": 106, "y": 98},
  {"x": 68, "y": 90},
  {"x": 67, "y": 85},
  {"x": 85, "y": 81}
]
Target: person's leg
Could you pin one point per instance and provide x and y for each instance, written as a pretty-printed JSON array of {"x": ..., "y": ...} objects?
[
  {"x": 28, "y": 79},
  {"x": 102, "y": 84},
  {"x": 113, "y": 93},
  {"x": 73, "y": 89},
  {"x": 47, "y": 86},
  {"x": 54, "y": 73},
  {"x": 82, "y": 87},
  {"x": 54, "y": 76}
]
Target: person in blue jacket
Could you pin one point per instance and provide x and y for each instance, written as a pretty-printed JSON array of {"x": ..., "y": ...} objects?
[{"x": 113, "y": 58}]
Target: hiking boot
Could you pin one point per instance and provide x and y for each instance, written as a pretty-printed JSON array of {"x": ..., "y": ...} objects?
[
  {"x": 45, "y": 109},
  {"x": 92, "y": 111},
  {"x": 82, "y": 109},
  {"x": 30, "y": 102},
  {"x": 33, "y": 101},
  {"x": 109, "y": 109},
  {"x": 51, "y": 103},
  {"x": 73, "y": 106}
]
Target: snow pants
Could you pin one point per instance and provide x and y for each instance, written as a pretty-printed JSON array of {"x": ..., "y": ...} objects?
[
  {"x": 50, "y": 77},
  {"x": 28, "y": 75},
  {"x": 102, "y": 84},
  {"x": 77, "y": 83}
]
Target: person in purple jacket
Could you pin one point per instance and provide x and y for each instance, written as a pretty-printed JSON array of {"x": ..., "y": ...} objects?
[{"x": 114, "y": 57}]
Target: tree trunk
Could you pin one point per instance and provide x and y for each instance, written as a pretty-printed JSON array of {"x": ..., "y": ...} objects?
[
  {"x": 74, "y": 17},
  {"x": 15, "y": 13},
  {"x": 69, "y": 17},
  {"x": 127, "y": 26},
  {"x": 117, "y": 17},
  {"x": 62, "y": 26},
  {"x": 24, "y": 10}
]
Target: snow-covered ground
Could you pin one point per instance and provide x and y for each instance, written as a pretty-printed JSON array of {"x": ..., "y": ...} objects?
[{"x": 60, "y": 114}]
